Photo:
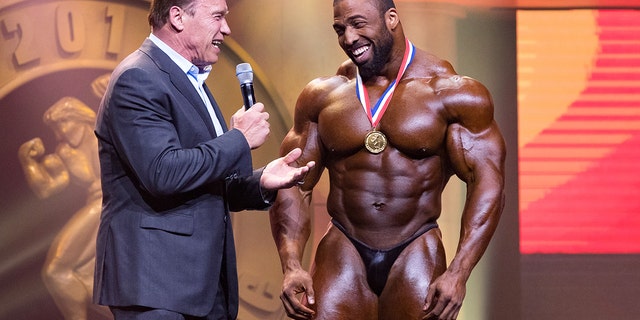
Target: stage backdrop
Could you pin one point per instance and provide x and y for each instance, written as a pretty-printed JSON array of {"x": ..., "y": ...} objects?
[
  {"x": 579, "y": 148},
  {"x": 55, "y": 58}
]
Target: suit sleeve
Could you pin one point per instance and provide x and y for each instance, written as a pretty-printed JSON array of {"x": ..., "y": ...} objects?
[{"x": 246, "y": 193}]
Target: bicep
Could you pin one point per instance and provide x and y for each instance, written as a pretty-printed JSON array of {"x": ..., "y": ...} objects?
[
  {"x": 474, "y": 142},
  {"x": 476, "y": 155},
  {"x": 305, "y": 134}
]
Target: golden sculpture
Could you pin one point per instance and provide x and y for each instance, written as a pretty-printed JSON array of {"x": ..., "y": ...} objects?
[{"x": 68, "y": 269}]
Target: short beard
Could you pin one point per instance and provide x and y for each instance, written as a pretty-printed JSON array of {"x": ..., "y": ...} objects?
[{"x": 381, "y": 54}]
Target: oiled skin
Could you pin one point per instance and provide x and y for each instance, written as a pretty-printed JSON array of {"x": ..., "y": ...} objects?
[{"x": 438, "y": 124}]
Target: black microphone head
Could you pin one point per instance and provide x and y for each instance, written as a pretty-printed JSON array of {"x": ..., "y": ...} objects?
[{"x": 244, "y": 73}]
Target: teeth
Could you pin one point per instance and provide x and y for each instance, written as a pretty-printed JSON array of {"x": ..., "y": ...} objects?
[
  {"x": 216, "y": 43},
  {"x": 360, "y": 50}
]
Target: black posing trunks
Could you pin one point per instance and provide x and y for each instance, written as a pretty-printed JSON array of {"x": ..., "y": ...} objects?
[{"x": 378, "y": 262}]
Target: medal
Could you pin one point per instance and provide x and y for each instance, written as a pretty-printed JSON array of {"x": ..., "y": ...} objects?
[{"x": 375, "y": 141}]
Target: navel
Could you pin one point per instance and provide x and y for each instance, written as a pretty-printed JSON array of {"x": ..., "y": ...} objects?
[{"x": 378, "y": 205}]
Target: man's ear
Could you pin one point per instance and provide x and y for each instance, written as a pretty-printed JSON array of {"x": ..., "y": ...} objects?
[
  {"x": 392, "y": 19},
  {"x": 175, "y": 18}
]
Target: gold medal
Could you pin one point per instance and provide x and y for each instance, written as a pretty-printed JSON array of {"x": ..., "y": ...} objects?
[{"x": 375, "y": 141}]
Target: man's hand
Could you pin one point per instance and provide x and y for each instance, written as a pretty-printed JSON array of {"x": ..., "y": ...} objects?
[
  {"x": 444, "y": 298},
  {"x": 280, "y": 174},
  {"x": 253, "y": 124},
  {"x": 297, "y": 282}
]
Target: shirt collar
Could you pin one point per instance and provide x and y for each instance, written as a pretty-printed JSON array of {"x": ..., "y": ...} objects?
[{"x": 185, "y": 65}]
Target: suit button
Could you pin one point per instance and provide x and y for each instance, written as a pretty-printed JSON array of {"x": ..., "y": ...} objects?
[{"x": 225, "y": 218}]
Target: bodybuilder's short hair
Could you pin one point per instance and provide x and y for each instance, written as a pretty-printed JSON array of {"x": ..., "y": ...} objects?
[{"x": 383, "y": 5}]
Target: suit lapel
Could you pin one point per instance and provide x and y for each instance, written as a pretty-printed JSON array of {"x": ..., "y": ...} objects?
[{"x": 181, "y": 82}]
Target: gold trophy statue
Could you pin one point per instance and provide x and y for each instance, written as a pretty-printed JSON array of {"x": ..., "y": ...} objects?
[{"x": 68, "y": 269}]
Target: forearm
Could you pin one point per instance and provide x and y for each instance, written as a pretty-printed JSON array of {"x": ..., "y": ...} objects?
[
  {"x": 291, "y": 226},
  {"x": 479, "y": 221}
]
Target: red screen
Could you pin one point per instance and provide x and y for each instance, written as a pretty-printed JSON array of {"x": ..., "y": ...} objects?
[{"x": 579, "y": 131}]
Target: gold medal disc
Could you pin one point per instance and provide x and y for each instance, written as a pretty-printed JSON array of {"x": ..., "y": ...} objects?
[{"x": 375, "y": 141}]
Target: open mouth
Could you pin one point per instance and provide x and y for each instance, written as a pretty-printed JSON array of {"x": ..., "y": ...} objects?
[
  {"x": 216, "y": 43},
  {"x": 360, "y": 51}
]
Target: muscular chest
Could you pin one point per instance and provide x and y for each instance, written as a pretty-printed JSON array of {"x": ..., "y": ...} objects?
[{"x": 413, "y": 122}]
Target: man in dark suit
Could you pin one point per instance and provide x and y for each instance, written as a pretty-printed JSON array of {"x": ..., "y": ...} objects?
[{"x": 171, "y": 172}]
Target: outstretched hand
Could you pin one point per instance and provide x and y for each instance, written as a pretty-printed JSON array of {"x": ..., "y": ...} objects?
[{"x": 279, "y": 173}]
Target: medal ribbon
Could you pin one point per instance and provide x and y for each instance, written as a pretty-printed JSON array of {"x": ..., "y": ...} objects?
[{"x": 375, "y": 113}]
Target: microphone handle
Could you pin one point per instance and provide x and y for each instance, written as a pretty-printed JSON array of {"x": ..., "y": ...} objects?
[{"x": 247, "y": 95}]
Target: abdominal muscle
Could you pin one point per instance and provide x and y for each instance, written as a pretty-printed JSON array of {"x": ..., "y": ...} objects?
[{"x": 384, "y": 199}]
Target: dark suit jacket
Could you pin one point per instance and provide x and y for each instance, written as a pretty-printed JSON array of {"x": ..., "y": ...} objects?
[{"x": 165, "y": 237}]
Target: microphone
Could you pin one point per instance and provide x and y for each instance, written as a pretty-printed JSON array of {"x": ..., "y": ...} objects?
[{"x": 245, "y": 77}]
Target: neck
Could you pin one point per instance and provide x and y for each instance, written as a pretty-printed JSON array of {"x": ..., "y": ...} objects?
[{"x": 170, "y": 37}]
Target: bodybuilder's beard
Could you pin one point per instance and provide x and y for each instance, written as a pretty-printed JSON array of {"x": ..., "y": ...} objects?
[{"x": 381, "y": 55}]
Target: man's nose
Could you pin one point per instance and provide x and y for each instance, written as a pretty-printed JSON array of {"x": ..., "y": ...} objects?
[
  {"x": 225, "y": 29},
  {"x": 350, "y": 36}
]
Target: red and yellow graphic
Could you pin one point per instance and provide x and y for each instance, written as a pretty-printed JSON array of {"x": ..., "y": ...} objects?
[{"x": 579, "y": 131}]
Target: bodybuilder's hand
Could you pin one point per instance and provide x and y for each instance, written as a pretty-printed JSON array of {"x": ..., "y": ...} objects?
[
  {"x": 298, "y": 282},
  {"x": 444, "y": 298}
]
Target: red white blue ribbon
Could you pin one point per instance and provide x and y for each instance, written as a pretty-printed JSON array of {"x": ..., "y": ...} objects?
[{"x": 375, "y": 113}]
